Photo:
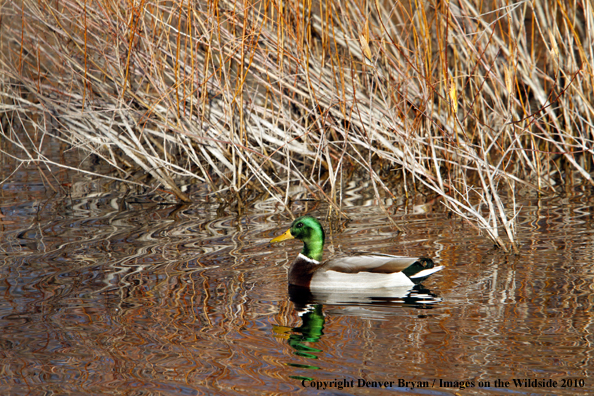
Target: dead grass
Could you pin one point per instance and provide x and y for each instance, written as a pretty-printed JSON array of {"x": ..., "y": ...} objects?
[{"x": 465, "y": 99}]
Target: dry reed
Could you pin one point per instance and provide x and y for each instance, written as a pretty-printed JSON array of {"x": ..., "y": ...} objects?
[{"x": 466, "y": 99}]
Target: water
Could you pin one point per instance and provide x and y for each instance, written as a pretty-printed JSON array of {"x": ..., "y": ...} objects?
[{"x": 103, "y": 293}]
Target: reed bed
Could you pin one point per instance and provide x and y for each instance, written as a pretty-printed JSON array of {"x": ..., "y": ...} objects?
[{"x": 468, "y": 100}]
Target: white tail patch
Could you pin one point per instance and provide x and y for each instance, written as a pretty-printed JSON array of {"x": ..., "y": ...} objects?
[{"x": 427, "y": 272}]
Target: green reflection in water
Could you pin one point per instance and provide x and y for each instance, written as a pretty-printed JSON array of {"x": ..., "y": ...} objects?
[
  {"x": 300, "y": 378},
  {"x": 311, "y": 330}
]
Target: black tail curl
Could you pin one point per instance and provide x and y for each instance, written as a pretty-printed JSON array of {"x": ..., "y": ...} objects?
[{"x": 421, "y": 264}]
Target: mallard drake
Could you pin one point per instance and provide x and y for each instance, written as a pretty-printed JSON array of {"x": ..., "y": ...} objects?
[{"x": 359, "y": 270}]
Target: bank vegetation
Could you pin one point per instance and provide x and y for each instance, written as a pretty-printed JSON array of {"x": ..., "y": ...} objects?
[{"x": 465, "y": 100}]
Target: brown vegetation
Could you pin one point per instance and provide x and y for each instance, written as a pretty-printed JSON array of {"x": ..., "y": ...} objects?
[{"x": 463, "y": 99}]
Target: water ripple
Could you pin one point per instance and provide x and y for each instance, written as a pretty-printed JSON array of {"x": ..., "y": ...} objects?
[{"x": 101, "y": 295}]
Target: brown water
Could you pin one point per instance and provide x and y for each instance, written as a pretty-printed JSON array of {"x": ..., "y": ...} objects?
[{"x": 103, "y": 293}]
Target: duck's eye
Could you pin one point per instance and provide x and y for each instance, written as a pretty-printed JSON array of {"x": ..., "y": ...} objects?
[{"x": 299, "y": 225}]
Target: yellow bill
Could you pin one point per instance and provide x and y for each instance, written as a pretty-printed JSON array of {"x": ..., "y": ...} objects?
[{"x": 287, "y": 235}]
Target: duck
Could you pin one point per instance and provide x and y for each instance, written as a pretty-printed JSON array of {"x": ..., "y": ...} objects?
[{"x": 356, "y": 271}]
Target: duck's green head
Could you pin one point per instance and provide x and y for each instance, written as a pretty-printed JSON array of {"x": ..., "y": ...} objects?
[{"x": 310, "y": 231}]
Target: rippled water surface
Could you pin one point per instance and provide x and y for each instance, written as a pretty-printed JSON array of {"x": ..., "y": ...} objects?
[{"x": 103, "y": 293}]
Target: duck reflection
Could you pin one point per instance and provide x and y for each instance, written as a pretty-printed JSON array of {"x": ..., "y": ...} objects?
[
  {"x": 310, "y": 331},
  {"x": 378, "y": 304},
  {"x": 418, "y": 296}
]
